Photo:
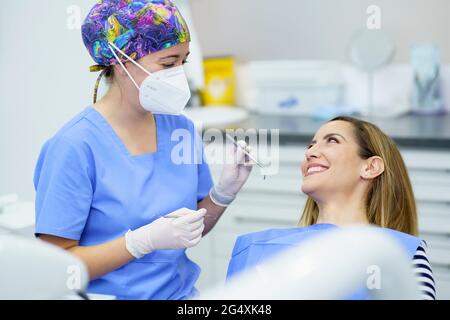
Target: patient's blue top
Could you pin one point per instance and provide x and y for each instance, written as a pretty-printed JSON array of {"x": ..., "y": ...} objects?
[
  {"x": 89, "y": 188},
  {"x": 255, "y": 248}
]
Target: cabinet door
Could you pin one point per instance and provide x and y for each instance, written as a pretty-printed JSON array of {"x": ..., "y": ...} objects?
[{"x": 429, "y": 171}]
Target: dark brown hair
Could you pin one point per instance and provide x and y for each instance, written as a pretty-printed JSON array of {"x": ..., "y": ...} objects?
[{"x": 108, "y": 73}]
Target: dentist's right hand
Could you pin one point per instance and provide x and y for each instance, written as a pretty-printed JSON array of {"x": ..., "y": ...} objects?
[{"x": 180, "y": 229}]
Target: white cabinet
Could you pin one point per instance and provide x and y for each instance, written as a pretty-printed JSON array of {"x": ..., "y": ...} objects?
[
  {"x": 278, "y": 201},
  {"x": 430, "y": 176}
]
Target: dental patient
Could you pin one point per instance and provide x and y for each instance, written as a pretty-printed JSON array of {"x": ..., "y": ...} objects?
[{"x": 353, "y": 174}]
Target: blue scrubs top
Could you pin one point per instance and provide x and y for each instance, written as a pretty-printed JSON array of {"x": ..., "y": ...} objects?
[{"x": 90, "y": 189}]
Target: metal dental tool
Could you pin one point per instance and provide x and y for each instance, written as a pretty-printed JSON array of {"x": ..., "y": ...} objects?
[{"x": 261, "y": 165}]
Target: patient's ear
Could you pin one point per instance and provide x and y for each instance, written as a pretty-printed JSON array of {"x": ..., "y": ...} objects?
[{"x": 373, "y": 167}]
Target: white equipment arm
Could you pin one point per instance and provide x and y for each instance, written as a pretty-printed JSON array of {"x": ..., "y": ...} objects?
[
  {"x": 330, "y": 266},
  {"x": 33, "y": 269}
]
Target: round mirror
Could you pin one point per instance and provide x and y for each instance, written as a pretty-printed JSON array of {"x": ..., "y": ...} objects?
[{"x": 371, "y": 49}]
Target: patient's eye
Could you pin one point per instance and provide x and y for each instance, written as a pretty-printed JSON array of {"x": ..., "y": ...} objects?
[{"x": 333, "y": 139}]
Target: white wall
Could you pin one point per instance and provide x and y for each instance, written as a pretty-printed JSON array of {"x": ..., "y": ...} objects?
[
  {"x": 44, "y": 81},
  {"x": 314, "y": 29},
  {"x": 44, "y": 77}
]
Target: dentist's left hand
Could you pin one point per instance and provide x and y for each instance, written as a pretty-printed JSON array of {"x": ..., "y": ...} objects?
[{"x": 233, "y": 176}]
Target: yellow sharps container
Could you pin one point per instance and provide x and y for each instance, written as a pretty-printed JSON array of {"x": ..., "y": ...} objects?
[{"x": 220, "y": 82}]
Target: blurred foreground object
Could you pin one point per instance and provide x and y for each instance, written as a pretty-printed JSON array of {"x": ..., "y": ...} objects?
[
  {"x": 35, "y": 270},
  {"x": 17, "y": 216},
  {"x": 327, "y": 267}
]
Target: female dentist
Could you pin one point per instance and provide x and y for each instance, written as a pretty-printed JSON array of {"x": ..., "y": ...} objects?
[{"x": 109, "y": 186}]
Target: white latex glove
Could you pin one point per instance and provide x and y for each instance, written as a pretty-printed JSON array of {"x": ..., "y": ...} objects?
[
  {"x": 233, "y": 177},
  {"x": 178, "y": 230}
]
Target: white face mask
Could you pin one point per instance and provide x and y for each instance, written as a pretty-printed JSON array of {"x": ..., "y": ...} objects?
[{"x": 162, "y": 92}]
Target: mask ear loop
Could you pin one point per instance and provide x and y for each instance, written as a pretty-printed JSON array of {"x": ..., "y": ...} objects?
[
  {"x": 121, "y": 64},
  {"x": 129, "y": 58},
  {"x": 111, "y": 46}
]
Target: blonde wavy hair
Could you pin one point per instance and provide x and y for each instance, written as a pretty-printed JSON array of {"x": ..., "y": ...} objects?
[{"x": 390, "y": 201}]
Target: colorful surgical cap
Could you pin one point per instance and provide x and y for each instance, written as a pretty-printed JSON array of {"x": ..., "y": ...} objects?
[{"x": 138, "y": 28}]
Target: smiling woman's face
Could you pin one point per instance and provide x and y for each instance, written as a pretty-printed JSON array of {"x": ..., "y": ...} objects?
[{"x": 332, "y": 164}]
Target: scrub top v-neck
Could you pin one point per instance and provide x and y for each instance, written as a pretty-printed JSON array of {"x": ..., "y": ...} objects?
[
  {"x": 89, "y": 188},
  {"x": 160, "y": 138}
]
